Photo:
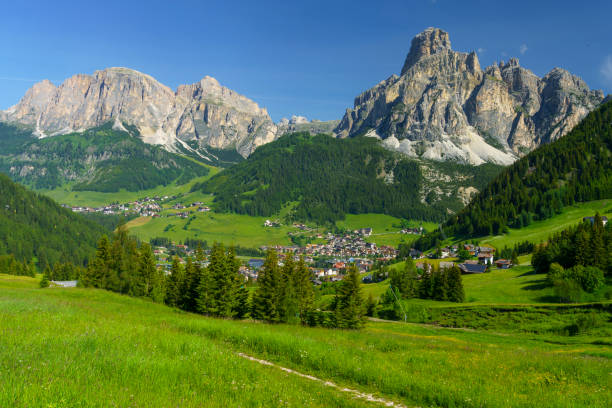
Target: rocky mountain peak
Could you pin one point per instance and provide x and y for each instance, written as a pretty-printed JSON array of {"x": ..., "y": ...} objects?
[
  {"x": 202, "y": 114},
  {"x": 429, "y": 42},
  {"x": 444, "y": 107}
]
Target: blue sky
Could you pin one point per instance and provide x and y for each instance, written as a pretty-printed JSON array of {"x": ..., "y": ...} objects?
[{"x": 308, "y": 58}]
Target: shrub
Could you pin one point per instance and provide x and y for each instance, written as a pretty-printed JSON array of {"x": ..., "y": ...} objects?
[
  {"x": 590, "y": 278},
  {"x": 568, "y": 290},
  {"x": 555, "y": 273}
]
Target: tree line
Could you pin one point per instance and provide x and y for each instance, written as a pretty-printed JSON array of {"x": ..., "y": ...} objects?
[
  {"x": 444, "y": 284},
  {"x": 578, "y": 260},
  {"x": 283, "y": 294}
]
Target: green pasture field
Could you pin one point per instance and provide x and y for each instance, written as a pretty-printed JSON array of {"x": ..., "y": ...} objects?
[{"x": 84, "y": 347}]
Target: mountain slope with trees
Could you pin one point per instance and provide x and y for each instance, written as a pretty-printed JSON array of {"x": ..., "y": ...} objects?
[
  {"x": 32, "y": 225},
  {"x": 329, "y": 177},
  {"x": 575, "y": 168},
  {"x": 104, "y": 159}
]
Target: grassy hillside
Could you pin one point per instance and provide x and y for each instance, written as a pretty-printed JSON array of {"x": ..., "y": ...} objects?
[
  {"x": 59, "y": 342},
  {"x": 236, "y": 229},
  {"x": 385, "y": 228},
  {"x": 100, "y": 159},
  {"x": 32, "y": 225},
  {"x": 66, "y": 195},
  {"x": 329, "y": 178}
]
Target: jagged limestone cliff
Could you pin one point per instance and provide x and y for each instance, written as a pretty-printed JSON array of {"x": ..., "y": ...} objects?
[
  {"x": 205, "y": 112},
  {"x": 444, "y": 106}
]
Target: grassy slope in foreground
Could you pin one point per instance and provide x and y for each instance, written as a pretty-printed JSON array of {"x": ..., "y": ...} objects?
[{"x": 57, "y": 343}]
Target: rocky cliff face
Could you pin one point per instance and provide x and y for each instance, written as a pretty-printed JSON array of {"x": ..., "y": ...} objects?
[
  {"x": 204, "y": 112},
  {"x": 302, "y": 124},
  {"x": 444, "y": 106}
]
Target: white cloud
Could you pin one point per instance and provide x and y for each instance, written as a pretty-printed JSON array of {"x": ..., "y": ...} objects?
[
  {"x": 481, "y": 50},
  {"x": 523, "y": 49},
  {"x": 606, "y": 69}
]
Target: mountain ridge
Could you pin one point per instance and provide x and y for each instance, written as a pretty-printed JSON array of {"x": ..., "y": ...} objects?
[
  {"x": 445, "y": 106},
  {"x": 205, "y": 112}
]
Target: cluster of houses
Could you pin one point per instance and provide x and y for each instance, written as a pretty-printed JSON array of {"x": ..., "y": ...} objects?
[
  {"x": 416, "y": 231},
  {"x": 144, "y": 207},
  {"x": 195, "y": 206},
  {"x": 485, "y": 259},
  {"x": 332, "y": 272},
  {"x": 340, "y": 246}
]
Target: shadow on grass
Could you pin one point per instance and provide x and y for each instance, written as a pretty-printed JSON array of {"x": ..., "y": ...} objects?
[
  {"x": 548, "y": 299},
  {"x": 529, "y": 273},
  {"x": 536, "y": 285}
]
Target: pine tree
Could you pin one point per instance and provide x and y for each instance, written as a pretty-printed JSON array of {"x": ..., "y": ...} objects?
[
  {"x": 32, "y": 270},
  {"x": 222, "y": 270},
  {"x": 455, "y": 285},
  {"x": 188, "y": 281},
  {"x": 582, "y": 248},
  {"x": 205, "y": 302},
  {"x": 514, "y": 259},
  {"x": 405, "y": 279},
  {"x": 44, "y": 282},
  {"x": 242, "y": 306},
  {"x": 426, "y": 285},
  {"x": 289, "y": 302},
  {"x": 303, "y": 289},
  {"x": 175, "y": 283},
  {"x": 147, "y": 271},
  {"x": 440, "y": 285},
  {"x": 97, "y": 270},
  {"x": 265, "y": 299},
  {"x": 350, "y": 309},
  {"x": 598, "y": 253},
  {"x": 371, "y": 306}
]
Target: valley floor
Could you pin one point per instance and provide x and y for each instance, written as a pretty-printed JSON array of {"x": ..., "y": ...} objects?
[{"x": 84, "y": 347}]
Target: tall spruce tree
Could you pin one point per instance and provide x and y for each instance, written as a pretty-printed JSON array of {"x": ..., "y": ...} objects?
[
  {"x": 303, "y": 289},
  {"x": 350, "y": 310},
  {"x": 405, "y": 280},
  {"x": 241, "y": 305},
  {"x": 175, "y": 284},
  {"x": 204, "y": 301},
  {"x": 288, "y": 300},
  {"x": 265, "y": 305},
  {"x": 455, "y": 285}
]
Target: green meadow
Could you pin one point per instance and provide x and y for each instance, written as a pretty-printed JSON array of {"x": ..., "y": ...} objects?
[
  {"x": 84, "y": 347},
  {"x": 229, "y": 229},
  {"x": 385, "y": 228},
  {"x": 65, "y": 195}
]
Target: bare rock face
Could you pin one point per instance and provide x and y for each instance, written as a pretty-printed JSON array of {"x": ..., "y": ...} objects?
[
  {"x": 302, "y": 124},
  {"x": 443, "y": 106},
  {"x": 205, "y": 111}
]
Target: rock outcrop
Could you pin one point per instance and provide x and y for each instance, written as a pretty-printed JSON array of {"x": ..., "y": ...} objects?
[
  {"x": 444, "y": 106},
  {"x": 203, "y": 114},
  {"x": 302, "y": 124}
]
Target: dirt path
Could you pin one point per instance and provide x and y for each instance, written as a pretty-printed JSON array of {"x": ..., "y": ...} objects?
[{"x": 354, "y": 393}]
